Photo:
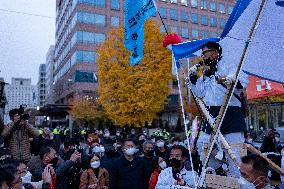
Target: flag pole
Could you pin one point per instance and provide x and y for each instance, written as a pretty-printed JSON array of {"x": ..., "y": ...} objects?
[{"x": 163, "y": 22}]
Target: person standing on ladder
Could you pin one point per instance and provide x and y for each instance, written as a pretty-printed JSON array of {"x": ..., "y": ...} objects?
[{"x": 211, "y": 86}]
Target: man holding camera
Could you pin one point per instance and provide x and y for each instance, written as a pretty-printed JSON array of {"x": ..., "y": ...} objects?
[{"x": 17, "y": 134}]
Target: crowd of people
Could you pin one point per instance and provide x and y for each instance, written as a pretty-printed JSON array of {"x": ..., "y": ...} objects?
[{"x": 99, "y": 160}]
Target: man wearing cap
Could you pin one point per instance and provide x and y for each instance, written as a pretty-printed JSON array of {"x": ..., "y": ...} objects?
[
  {"x": 211, "y": 87},
  {"x": 17, "y": 134}
]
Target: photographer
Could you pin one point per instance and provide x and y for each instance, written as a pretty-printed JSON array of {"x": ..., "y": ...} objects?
[{"x": 17, "y": 134}]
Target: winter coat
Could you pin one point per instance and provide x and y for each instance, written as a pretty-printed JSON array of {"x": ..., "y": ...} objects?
[
  {"x": 154, "y": 179},
  {"x": 167, "y": 181},
  {"x": 88, "y": 177},
  {"x": 18, "y": 139}
]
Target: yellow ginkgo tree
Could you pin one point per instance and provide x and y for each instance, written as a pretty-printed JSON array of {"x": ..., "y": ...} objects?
[
  {"x": 86, "y": 110},
  {"x": 134, "y": 94}
]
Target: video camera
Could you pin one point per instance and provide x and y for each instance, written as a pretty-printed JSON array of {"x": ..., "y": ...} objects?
[{"x": 21, "y": 113}]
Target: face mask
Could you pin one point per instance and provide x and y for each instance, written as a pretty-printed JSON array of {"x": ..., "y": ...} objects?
[
  {"x": 150, "y": 153},
  {"x": 245, "y": 184},
  {"x": 95, "y": 164},
  {"x": 277, "y": 139},
  {"x": 54, "y": 161},
  {"x": 107, "y": 134},
  {"x": 27, "y": 178},
  {"x": 160, "y": 144},
  {"x": 130, "y": 151},
  {"x": 98, "y": 149},
  {"x": 163, "y": 165},
  {"x": 250, "y": 140},
  {"x": 175, "y": 163},
  {"x": 117, "y": 134}
]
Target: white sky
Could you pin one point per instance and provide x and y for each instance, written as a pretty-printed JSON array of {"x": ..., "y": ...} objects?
[{"x": 25, "y": 39}]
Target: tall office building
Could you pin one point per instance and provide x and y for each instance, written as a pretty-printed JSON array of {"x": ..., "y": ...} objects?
[
  {"x": 41, "y": 85},
  {"x": 81, "y": 25},
  {"x": 49, "y": 75},
  {"x": 19, "y": 92}
]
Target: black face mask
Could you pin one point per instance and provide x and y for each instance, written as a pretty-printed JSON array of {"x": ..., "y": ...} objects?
[
  {"x": 141, "y": 141},
  {"x": 150, "y": 153},
  {"x": 175, "y": 163},
  {"x": 54, "y": 161}
]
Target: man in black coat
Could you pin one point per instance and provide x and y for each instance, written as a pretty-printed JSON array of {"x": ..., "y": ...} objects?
[{"x": 127, "y": 171}]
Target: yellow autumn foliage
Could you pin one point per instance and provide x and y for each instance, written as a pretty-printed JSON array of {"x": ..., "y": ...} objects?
[
  {"x": 85, "y": 110},
  {"x": 133, "y": 94}
]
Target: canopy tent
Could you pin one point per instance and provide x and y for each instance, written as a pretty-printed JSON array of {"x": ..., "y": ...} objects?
[{"x": 260, "y": 88}]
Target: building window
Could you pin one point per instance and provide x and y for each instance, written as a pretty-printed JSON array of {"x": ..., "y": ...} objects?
[
  {"x": 90, "y": 18},
  {"x": 213, "y": 6},
  {"x": 114, "y": 21},
  {"x": 162, "y": 29},
  {"x": 184, "y": 33},
  {"x": 222, "y": 23},
  {"x": 89, "y": 37},
  {"x": 100, "y": 3},
  {"x": 204, "y": 20},
  {"x": 173, "y": 13},
  {"x": 204, "y": 34},
  {"x": 203, "y": 4},
  {"x": 222, "y": 8},
  {"x": 114, "y": 4},
  {"x": 174, "y": 29},
  {"x": 86, "y": 56},
  {"x": 230, "y": 9},
  {"x": 83, "y": 76},
  {"x": 194, "y": 18},
  {"x": 213, "y": 34},
  {"x": 213, "y": 22},
  {"x": 163, "y": 12},
  {"x": 193, "y": 3},
  {"x": 194, "y": 33},
  {"x": 184, "y": 16},
  {"x": 183, "y": 2}
]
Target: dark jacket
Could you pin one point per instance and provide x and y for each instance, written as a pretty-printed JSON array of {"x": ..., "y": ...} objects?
[
  {"x": 234, "y": 120},
  {"x": 148, "y": 164},
  {"x": 126, "y": 174}
]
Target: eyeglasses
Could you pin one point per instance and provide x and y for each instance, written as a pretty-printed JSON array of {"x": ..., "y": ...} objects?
[{"x": 206, "y": 51}]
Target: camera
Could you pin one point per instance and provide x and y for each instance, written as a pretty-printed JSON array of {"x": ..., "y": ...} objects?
[{"x": 21, "y": 112}]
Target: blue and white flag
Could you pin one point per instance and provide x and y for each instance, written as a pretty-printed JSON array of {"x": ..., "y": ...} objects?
[{"x": 136, "y": 13}]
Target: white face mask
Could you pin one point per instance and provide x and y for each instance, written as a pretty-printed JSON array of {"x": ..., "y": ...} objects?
[
  {"x": 130, "y": 151},
  {"x": 27, "y": 178},
  {"x": 163, "y": 165},
  {"x": 250, "y": 140},
  {"x": 107, "y": 134},
  {"x": 95, "y": 164},
  {"x": 160, "y": 144},
  {"x": 245, "y": 184},
  {"x": 98, "y": 149}
]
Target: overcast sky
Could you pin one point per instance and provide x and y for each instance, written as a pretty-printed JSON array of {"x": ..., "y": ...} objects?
[{"x": 25, "y": 39}]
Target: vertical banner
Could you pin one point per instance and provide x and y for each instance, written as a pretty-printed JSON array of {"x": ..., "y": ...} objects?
[{"x": 136, "y": 13}]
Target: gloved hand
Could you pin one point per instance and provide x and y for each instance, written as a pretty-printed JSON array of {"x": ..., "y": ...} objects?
[{"x": 193, "y": 79}]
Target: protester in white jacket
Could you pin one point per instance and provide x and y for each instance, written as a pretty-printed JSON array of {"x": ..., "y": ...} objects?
[{"x": 176, "y": 176}]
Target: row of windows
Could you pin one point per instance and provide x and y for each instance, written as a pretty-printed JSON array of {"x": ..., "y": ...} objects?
[
  {"x": 84, "y": 76},
  {"x": 204, "y": 4},
  {"x": 87, "y": 37},
  {"x": 82, "y": 17},
  {"x": 194, "y": 17},
  {"x": 114, "y": 4},
  {"x": 77, "y": 57},
  {"x": 194, "y": 33},
  {"x": 81, "y": 37}
]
